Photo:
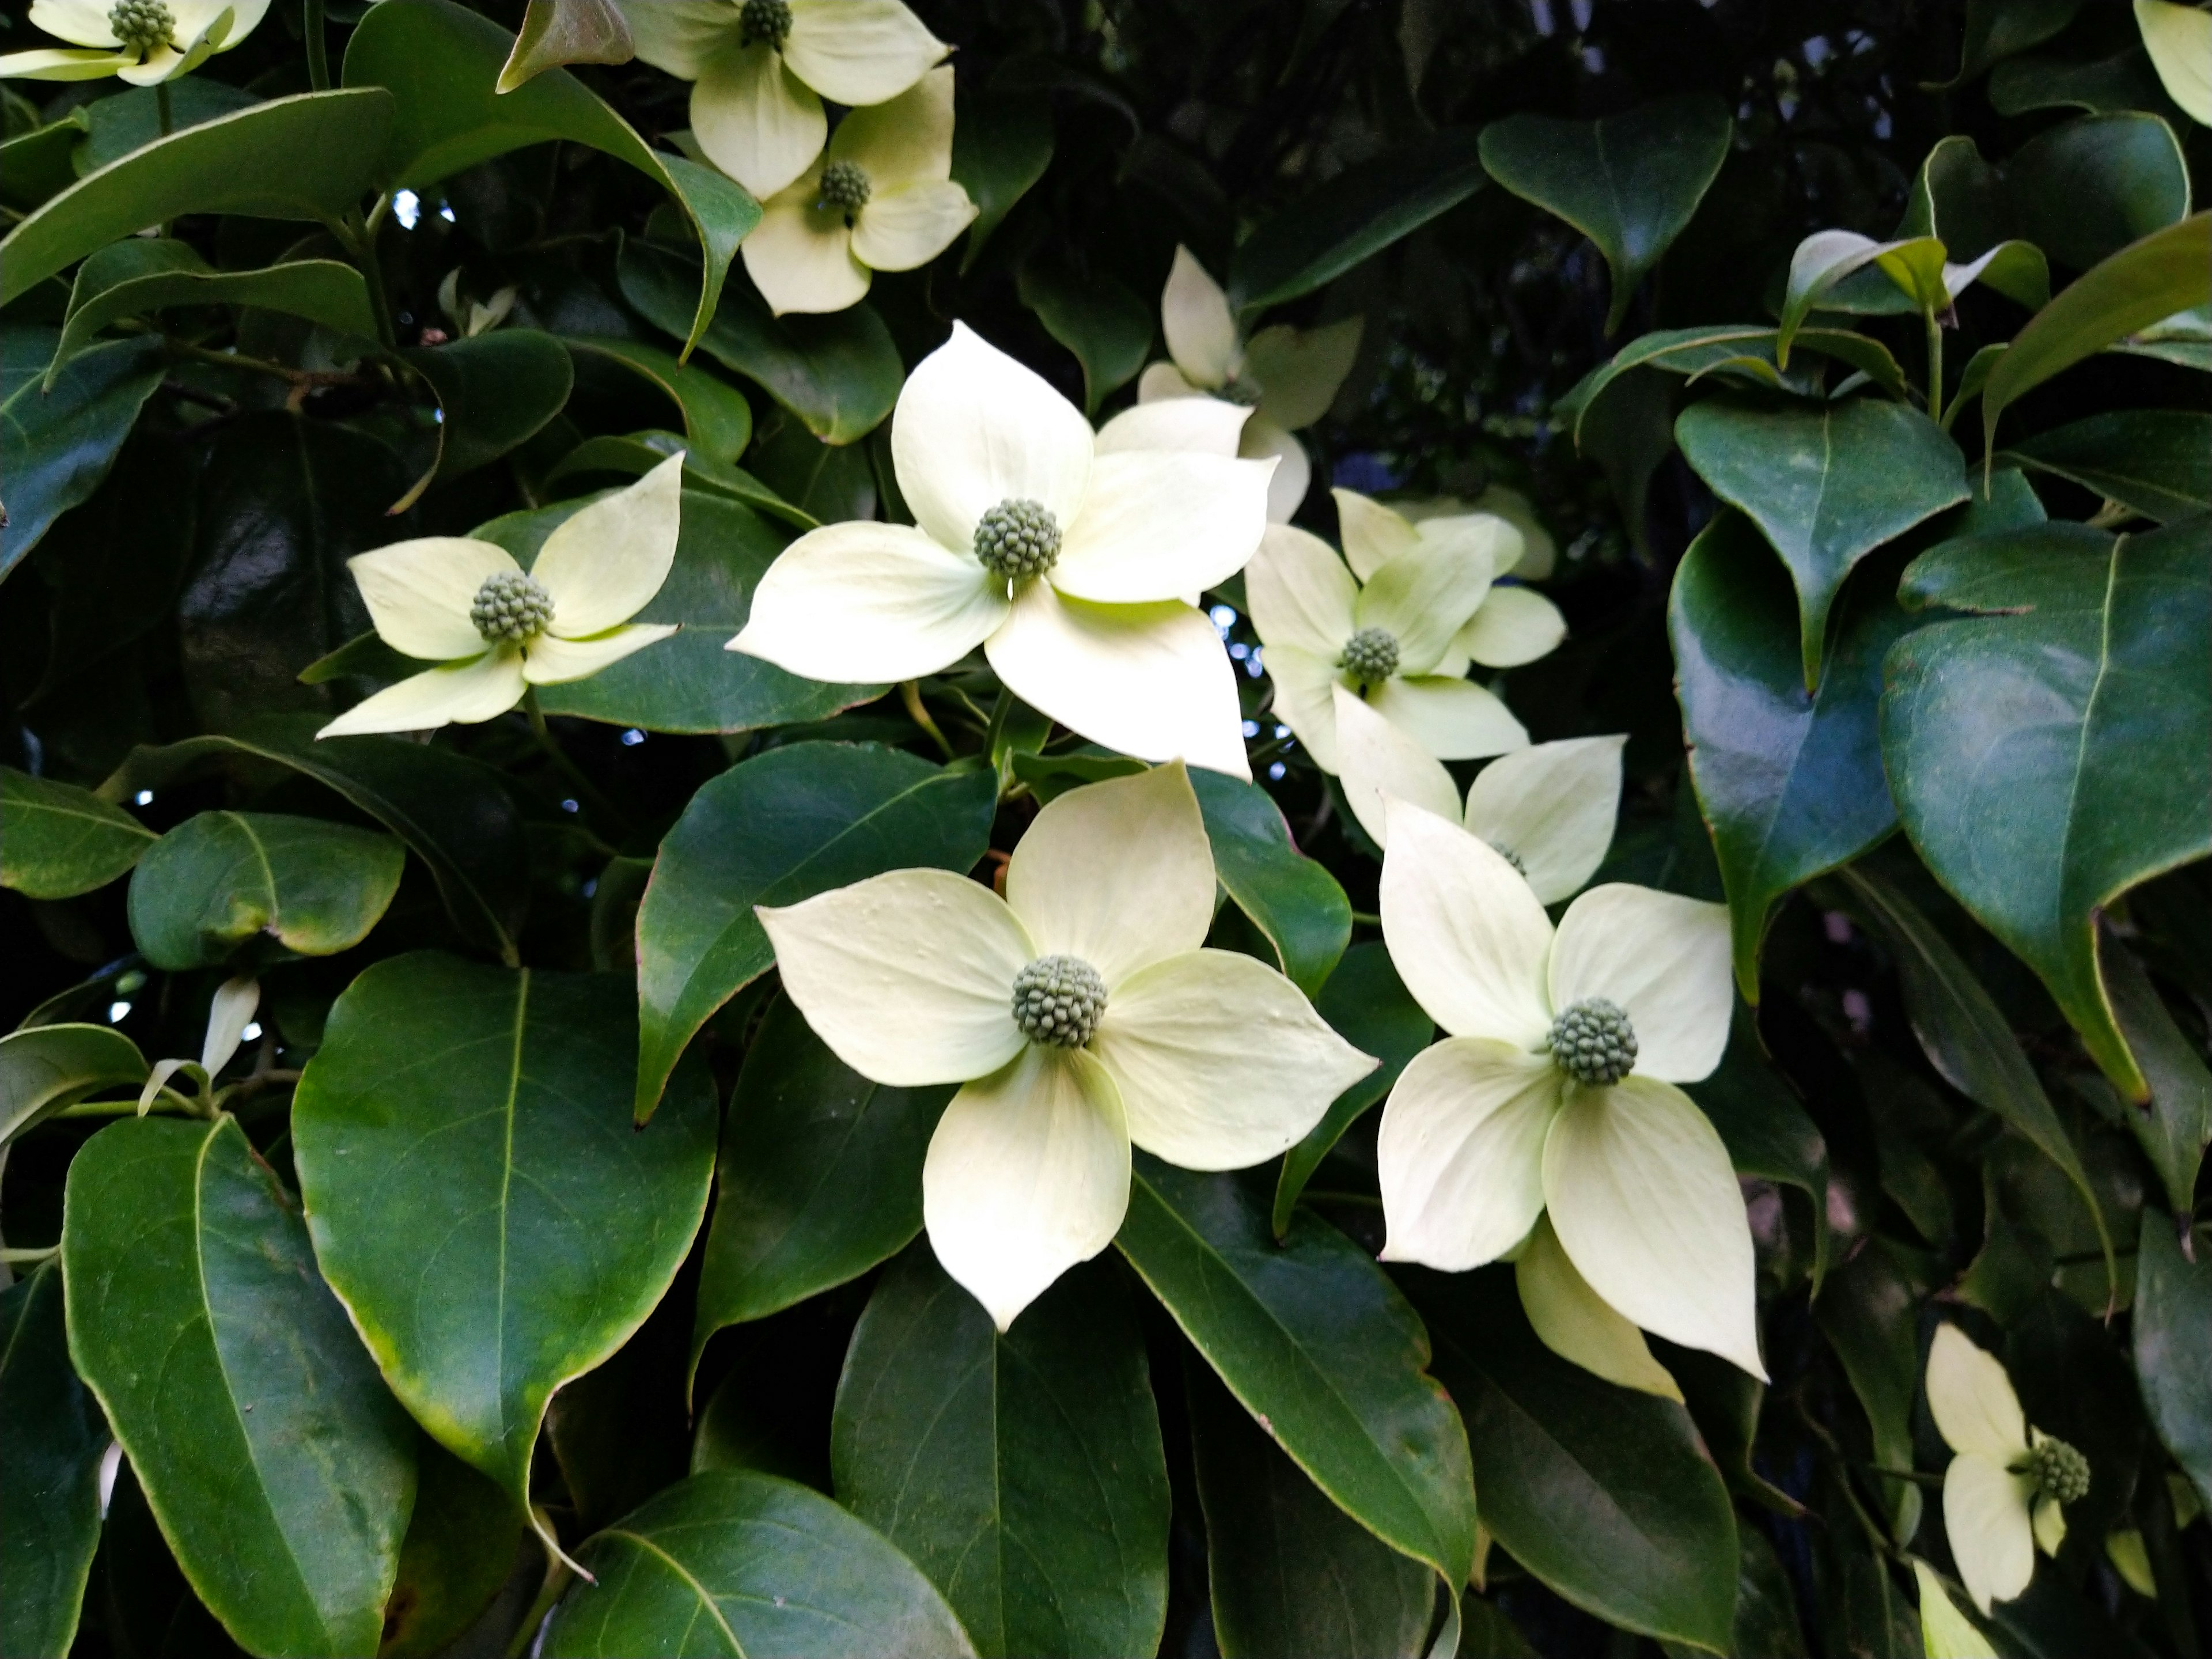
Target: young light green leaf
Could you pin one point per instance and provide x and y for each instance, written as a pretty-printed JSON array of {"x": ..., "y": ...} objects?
[
  {"x": 220, "y": 879},
  {"x": 51, "y": 1441},
  {"x": 57, "y": 840}
]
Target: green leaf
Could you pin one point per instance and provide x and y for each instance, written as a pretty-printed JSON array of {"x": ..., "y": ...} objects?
[
  {"x": 733, "y": 1563},
  {"x": 1289, "y": 1573},
  {"x": 2123, "y": 81},
  {"x": 51, "y": 1441},
  {"x": 44, "y": 1068},
  {"x": 1826, "y": 485},
  {"x": 132, "y": 118},
  {"x": 220, "y": 879},
  {"x": 1291, "y": 899},
  {"x": 819, "y": 1177},
  {"x": 2169, "y": 270},
  {"x": 1318, "y": 1346},
  {"x": 444, "y": 65},
  {"x": 1631, "y": 183},
  {"x": 280, "y": 1469},
  {"x": 1869, "y": 1311},
  {"x": 34, "y": 166},
  {"x": 477, "y": 1195},
  {"x": 717, "y": 419},
  {"x": 57, "y": 840},
  {"x": 310, "y": 157},
  {"x": 1738, "y": 349},
  {"x": 495, "y": 392},
  {"x": 1995, "y": 29},
  {"x": 784, "y": 826},
  {"x": 57, "y": 444},
  {"x": 1789, "y": 783},
  {"x": 2088, "y": 187},
  {"x": 1604, "y": 1493},
  {"x": 2157, "y": 462},
  {"x": 460, "y": 1548},
  {"x": 140, "y": 275},
  {"x": 556, "y": 32},
  {"x": 689, "y": 682},
  {"x": 2047, "y": 752},
  {"x": 1107, "y": 328},
  {"x": 1370, "y": 1008},
  {"x": 455, "y": 813},
  {"x": 1355, "y": 215},
  {"x": 839, "y": 373},
  {"x": 2174, "y": 1346},
  {"x": 1002, "y": 145},
  {"x": 2178, "y": 1126},
  {"x": 634, "y": 454},
  {"x": 1022, "y": 1472}
]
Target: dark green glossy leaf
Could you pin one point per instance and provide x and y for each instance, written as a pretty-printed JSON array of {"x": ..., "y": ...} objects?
[
  {"x": 2157, "y": 462},
  {"x": 44, "y": 1068},
  {"x": 57, "y": 444},
  {"x": 2174, "y": 1346},
  {"x": 1767, "y": 1134},
  {"x": 1995, "y": 29},
  {"x": 2177, "y": 1127},
  {"x": 1291, "y": 899},
  {"x": 1604, "y": 1493},
  {"x": 1789, "y": 783},
  {"x": 2123, "y": 81},
  {"x": 2085, "y": 665},
  {"x": 220, "y": 879},
  {"x": 1107, "y": 328},
  {"x": 717, "y": 419},
  {"x": 2088, "y": 187},
  {"x": 309, "y": 157},
  {"x": 1002, "y": 145},
  {"x": 459, "y": 1549},
  {"x": 444, "y": 64},
  {"x": 637, "y": 454},
  {"x": 1319, "y": 1346},
  {"x": 1765, "y": 1609},
  {"x": 1740, "y": 350},
  {"x": 786, "y": 826},
  {"x": 1827, "y": 485},
  {"x": 556, "y": 32},
  {"x": 1022, "y": 1473},
  {"x": 132, "y": 117},
  {"x": 477, "y": 1195},
  {"x": 1630, "y": 182},
  {"x": 819, "y": 1177},
  {"x": 280, "y": 1469},
  {"x": 1289, "y": 1573},
  {"x": 57, "y": 840},
  {"x": 1869, "y": 1311},
  {"x": 1370, "y": 1008},
  {"x": 51, "y": 1440},
  {"x": 1352, "y": 217},
  {"x": 839, "y": 373},
  {"x": 731, "y": 1563},
  {"x": 34, "y": 166},
  {"x": 494, "y": 392},
  {"x": 828, "y": 482},
  {"x": 690, "y": 682}
]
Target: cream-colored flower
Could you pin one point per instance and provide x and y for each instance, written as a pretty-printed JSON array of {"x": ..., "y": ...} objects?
[
  {"x": 142, "y": 41},
  {"x": 494, "y": 629},
  {"x": 1079, "y": 1013},
  {"x": 1946, "y": 1633},
  {"x": 1063, "y": 558},
  {"x": 881, "y": 198},
  {"x": 757, "y": 67},
  {"x": 1553, "y": 1098},
  {"x": 1540, "y": 554},
  {"x": 1287, "y": 376},
  {"x": 2179, "y": 42},
  {"x": 2004, "y": 1491}
]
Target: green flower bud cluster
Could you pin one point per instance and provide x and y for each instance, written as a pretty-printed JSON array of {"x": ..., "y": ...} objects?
[
  {"x": 142, "y": 25},
  {"x": 1016, "y": 539},
  {"x": 1370, "y": 656},
  {"x": 1593, "y": 1042},
  {"x": 767, "y": 22},
  {"x": 511, "y": 607},
  {"x": 1059, "y": 1000},
  {"x": 2060, "y": 1471},
  {"x": 844, "y": 184}
]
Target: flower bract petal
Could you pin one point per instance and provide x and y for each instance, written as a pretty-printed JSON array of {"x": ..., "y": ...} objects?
[
  {"x": 63, "y": 64},
  {"x": 681, "y": 36},
  {"x": 800, "y": 255},
  {"x": 1465, "y": 934},
  {"x": 1300, "y": 594},
  {"x": 1461, "y": 1151},
  {"x": 859, "y": 51},
  {"x": 1991, "y": 1533},
  {"x": 1421, "y": 596},
  {"x": 1156, "y": 524},
  {"x": 1662, "y": 958},
  {"x": 605, "y": 562},
  {"x": 906, "y": 140},
  {"x": 1305, "y": 700},
  {"x": 1381, "y": 762},
  {"x": 460, "y": 692},
  {"x": 754, "y": 119},
  {"x": 81, "y": 23},
  {"x": 1946, "y": 1633},
  {"x": 1294, "y": 475},
  {"x": 1576, "y": 1323},
  {"x": 1452, "y": 719},
  {"x": 1200, "y": 332},
  {"x": 1185, "y": 421},
  {"x": 1515, "y": 625},
  {"x": 866, "y": 602},
  {"x": 1972, "y": 1399},
  {"x": 1299, "y": 369},
  {"x": 549, "y": 660},
  {"x": 911, "y": 226},
  {"x": 1371, "y": 533},
  {"x": 2179, "y": 42},
  {"x": 1552, "y": 806},
  {"x": 1161, "y": 381},
  {"x": 418, "y": 593}
]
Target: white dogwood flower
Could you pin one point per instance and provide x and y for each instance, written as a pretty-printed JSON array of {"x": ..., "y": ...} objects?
[
  {"x": 1288, "y": 376},
  {"x": 1064, "y": 559},
  {"x": 1553, "y": 1095},
  {"x": 144, "y": 42},
  {"x": 881, "y": 198},
  {"x": 2004, "y": 1490},
  {"x": 2179, "y": 42},
  {"x": 1946, "y": 1633},
  {"x": 760, "y": 69},
  {"x": 495, "y": 630},
  {"x": 1080, "y": 1014}
]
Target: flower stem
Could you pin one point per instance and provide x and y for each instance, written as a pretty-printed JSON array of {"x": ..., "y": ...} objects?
[
  {"x": 30, "y": 1258},
  {"x": 1935, "y": 365},
  {"x": 318, "y": 47},
  {"x": 910, "y": 694},
  {"x": 586, "y": 792},
  {"x": 360, "y": 240}
]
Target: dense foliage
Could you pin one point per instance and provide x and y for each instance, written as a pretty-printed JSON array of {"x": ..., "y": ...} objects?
[{"x": 1726, "y": 637}]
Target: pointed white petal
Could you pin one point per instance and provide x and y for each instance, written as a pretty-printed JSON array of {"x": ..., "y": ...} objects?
[
  {"x": 1220, "y": 1060},
  {"x": 681, "y": 36},
  {"x": 905, "y": 141},
  {"x": 867, "y": 603},
  {"x": 801, "y": 259},
  {"x": 1972, "y": 1400},
  {"x": 974, "y": 428},
  {"x": 1120, "y": 873},
  {"x": 1422, "y": 596},
  {"x": 1380, "y": 763},
  {"x": 605, "y": 563},
  {"x": 1185, "y": 420},
  {"x": 1293, "y": 475},
  {"x": 550, "y": 660},
  {"x": 754, "y": 119},
  {"x": 1195, "y": 316},
  {"x": 1305, "y": 700},
  {"x": 1452, "y": 719},
  {"x": 1371, "y": 531},
  {"x": 418, "y": 593},
  {"x": 1514, "y": 625},
  {"x": 81, "y": 23},
  {"x": 1645, "y": 1201},
  {"x": 1986, "y": 1519},
  {"x": 1554, "y": 807},
  {"x": 907, "y": 976},
  {"x": 1664, "y": 959},
  {"x": 859, "y": 51},
  {"x": 163, "y": 64},
  {"x": 1466, "y": 934},
  {"x": 63, "y": 64},
  {"x": 229, "y": 1013},
  {"x": 2048, "y": 1520},
  {"x": 1574, "y": 1323},
  {"x": 911, "y": 226},
  {"x": 461, "y": 692},
  {"x": 1461, "y": 1153},
  {"x": 1150, "y": 680},
  {"x": 1027, "y": 1174},
  {"x": 1160, "y": 382},
  {"x": 1300, "y": 594},
  {"x": 1299, "y": 369},
  {"x": 1946, "y": 1633},
  {"x": 1156, "y": 524},
  {"x": 2180, "y": 40}
]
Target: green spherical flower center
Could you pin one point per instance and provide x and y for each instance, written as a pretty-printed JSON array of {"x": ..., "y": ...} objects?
[
  {"x": 765, "y": 21},
  {"x": 1370, "y": 656},
  {"x": 1593, "y": 1042},
  {"x": 1018, "y": 538},
  {"x": 1057, "y": 1001},
  {"x": 1519, "y": 867},
  {"x": 511, "y": 607},
  {"x": 845, "y": 186},
  {"x": 2060, "y": 1471},
  {"x": 142, "y": 25}
]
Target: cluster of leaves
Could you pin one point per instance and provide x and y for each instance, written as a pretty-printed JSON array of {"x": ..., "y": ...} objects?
[{"x": 391, "y": 1334}]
